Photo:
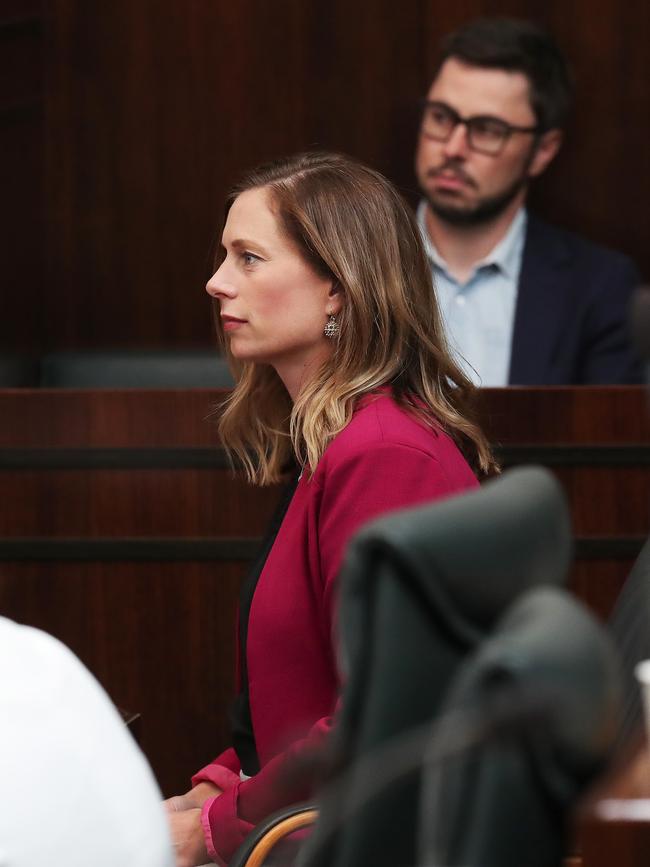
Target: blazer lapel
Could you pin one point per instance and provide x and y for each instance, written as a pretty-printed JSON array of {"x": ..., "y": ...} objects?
[{"x": 540, "y": 311}]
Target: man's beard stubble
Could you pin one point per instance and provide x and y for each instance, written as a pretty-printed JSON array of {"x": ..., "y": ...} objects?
[{"x": 485, "y": 210}]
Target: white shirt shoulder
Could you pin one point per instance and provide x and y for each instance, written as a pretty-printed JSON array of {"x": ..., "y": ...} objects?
[{"x": 74, "y": 786}]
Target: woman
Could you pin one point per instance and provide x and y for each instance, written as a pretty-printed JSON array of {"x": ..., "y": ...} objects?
[{"x": 327, "y": 312}]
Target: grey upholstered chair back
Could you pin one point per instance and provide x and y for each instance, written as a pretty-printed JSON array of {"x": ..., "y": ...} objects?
[
  {"x": 528, "y": 725},
  {"x": 136, "y": 369},
  {"x": 420, "y": 590},
  {"x": 469, "y": 556},
  {"x": 630, "y": 628}
]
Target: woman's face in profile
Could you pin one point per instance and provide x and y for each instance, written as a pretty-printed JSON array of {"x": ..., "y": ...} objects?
[{"x": 273, "y": 305}]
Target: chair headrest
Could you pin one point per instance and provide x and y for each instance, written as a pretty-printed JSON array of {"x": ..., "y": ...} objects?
[{"x": 473, "y": 554}]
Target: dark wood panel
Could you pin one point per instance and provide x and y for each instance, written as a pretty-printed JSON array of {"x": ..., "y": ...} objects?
[
  {"x": 151, "y": 110},
  {"x": 182, "y": 502},
  {"x": 127, "y": 619},
  {"x": 115, "y": 167},
  {"x": 21, "y": 174},
  {"x": 158, "y": 636},
  {"x": 588, "y": 415},
  {"x": 21, "y": 61},
  {"x": 132, "y": 418},
  {"x": 598, "y": 582},
  {"x": 133, "y": 503},
  {"x": 14, "y": 12},
  {"x": 155, "y": 108}
]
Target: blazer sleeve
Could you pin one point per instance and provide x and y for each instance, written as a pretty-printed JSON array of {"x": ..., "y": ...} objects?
[
  {"x": 352, "y": 489},
  {"x": 286, "y": 779},
  {"x": 222, "y": 771},
  {"x": 607, "y": 354}
]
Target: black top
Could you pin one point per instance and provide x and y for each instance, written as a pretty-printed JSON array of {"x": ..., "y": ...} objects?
[{"x": 241, "y": 725}]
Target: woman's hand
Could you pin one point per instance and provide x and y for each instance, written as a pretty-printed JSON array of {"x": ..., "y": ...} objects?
[
  {"x": 195, "y": 797},
  {"x": 184, "y": 817},
  {"x": 187, "y": 837}
]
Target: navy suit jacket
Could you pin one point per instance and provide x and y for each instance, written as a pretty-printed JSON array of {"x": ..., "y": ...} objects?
[{"x": 571, "y": 316}]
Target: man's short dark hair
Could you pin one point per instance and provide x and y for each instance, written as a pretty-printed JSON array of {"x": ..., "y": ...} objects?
[{"x": 517, "y": 46}]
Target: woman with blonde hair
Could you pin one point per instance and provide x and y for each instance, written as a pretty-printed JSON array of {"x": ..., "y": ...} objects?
[{"x": 327, "y": 313}]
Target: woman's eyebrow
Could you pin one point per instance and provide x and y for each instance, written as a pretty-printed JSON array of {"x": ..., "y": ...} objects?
[{"x": 245, "y": 244}]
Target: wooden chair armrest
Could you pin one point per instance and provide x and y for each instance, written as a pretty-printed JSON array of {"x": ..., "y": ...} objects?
[{"x": 261, "y": 840}]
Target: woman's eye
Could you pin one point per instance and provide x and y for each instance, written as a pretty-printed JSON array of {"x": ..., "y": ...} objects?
[{"x": 249, "y": 258}]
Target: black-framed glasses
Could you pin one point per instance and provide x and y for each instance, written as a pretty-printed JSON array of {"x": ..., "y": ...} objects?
[{"x": 485, "y": 134}]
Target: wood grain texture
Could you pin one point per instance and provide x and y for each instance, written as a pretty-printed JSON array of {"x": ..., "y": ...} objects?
[
  {"x": 160, "y": 638},
  {"x": 155, "y": 110},
  {"x": 160, "y": 635},
  {"x": 22, "y": 170},
  {"x": 143, "y": 114}
]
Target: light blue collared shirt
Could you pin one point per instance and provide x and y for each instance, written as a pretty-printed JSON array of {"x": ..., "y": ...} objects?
[{"x": 479, "y": 314}]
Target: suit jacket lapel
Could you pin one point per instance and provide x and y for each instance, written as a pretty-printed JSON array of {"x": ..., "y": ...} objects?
[{"x": 540, "y": 311}]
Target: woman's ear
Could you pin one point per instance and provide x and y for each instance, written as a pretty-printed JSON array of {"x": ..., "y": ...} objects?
[{"x": 335, "y": 299}]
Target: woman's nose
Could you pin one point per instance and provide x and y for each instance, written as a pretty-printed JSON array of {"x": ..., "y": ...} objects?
[{"x": 217, "y": 286}]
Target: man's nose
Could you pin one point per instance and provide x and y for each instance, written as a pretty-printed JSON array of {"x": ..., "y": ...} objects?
[{"x": 457, "y": 145}]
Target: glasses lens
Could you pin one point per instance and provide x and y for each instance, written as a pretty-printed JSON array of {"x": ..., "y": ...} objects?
[
  {"x": 487, "y": 134},
  {"x": 438, "y": 121}
]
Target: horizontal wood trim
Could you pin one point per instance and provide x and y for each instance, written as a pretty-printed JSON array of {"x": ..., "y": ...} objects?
[
  {"x": 632, "y": 455},
  {"x": 113, "y": 459},
  {"x": 235, "y": 549},
  {"x": 127, "y": 550},
  {"x": 215, "y": 458}
]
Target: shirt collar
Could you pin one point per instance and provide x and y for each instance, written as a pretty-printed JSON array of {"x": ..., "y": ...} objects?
[{"x": 506, "y": 255}]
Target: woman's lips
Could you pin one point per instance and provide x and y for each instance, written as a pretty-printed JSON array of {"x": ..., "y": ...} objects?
[{"x": 230, "y": 323}]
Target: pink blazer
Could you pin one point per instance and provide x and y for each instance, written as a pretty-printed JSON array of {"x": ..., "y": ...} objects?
[{"x": 385, "y": 459}]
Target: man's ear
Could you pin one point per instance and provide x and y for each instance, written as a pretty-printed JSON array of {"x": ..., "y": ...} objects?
[{"x": 547, "y": 147}]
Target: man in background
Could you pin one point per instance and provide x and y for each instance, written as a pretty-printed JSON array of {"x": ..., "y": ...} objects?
[{"x": 525, "y": 303}]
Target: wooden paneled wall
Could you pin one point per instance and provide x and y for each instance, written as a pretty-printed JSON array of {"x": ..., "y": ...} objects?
[
  {"x": 22, "y": 202},
  {"x": 123, "y": 123},
  {"x": 124, "y": 534}
]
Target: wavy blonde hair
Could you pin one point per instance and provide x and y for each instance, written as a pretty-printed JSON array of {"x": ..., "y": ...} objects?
[{"x": 350, "y": 224}]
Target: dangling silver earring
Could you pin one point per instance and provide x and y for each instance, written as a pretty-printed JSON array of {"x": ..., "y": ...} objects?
[{"x": 332, "y": 329}]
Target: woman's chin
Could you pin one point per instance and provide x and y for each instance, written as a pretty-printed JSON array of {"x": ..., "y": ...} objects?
[{"x": 249, "y": 356}]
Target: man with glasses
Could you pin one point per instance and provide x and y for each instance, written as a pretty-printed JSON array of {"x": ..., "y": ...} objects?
[{"x": 524, "y": 302}]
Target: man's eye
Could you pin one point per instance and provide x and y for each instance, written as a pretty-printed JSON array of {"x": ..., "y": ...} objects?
[
  {"x": 440, "y": 116},
  {"x": 488, "y": 128}
]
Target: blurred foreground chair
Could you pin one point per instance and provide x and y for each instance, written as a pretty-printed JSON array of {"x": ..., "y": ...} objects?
[
  {"x": 18, "y": 371},
  {"x": 528, "y": 724},
  {"x": 420, "y": 590},
  {"x": 136, "y": 369},
  {"x": 540, "y": 702},
  {"x": 630, "y": 629}
]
